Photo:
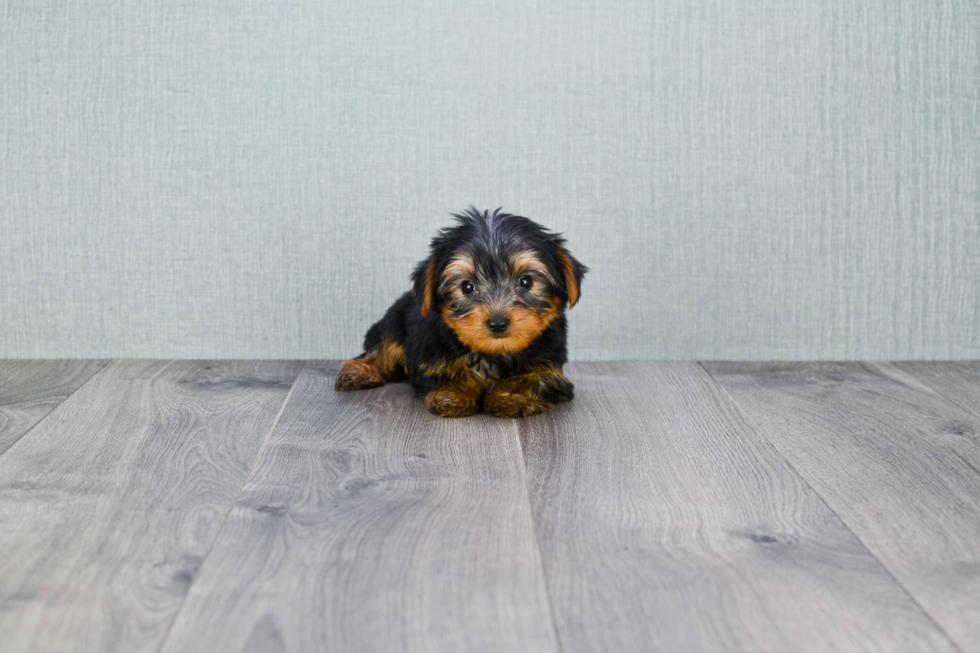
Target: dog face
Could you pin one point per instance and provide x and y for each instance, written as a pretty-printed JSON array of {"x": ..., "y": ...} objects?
[{"x": 497, "y": 280}]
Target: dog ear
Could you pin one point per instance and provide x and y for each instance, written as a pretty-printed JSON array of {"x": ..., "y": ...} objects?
[
  {"x": 573, "y": 271},
  {"x": 424, "y": 283}
]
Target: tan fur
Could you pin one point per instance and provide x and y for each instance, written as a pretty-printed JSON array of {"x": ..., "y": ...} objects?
[
  {"x": 376, "y": 367},
  {"x": 528, "y": 261},
  {"x": 570, "y": 285},
  {"x": 458, "y": 373},
  {"x": 460, "y": 268},
  {"x": 520, "y": 395},
  {"x": 460, "y": 264},
  {"x": 430, "y": 286},
  {"x": 452, "y": 401},
  {"x": 459, "y": 391},
  {"x": 525, "y": 325},
  {"x": 461, "y": 384},
  {"x": 501, "y": 403}
]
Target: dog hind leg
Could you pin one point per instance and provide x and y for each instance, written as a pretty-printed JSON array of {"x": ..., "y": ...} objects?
[
  {"x": 377, "y": 366},
  {"x": 383, "y": 359}
]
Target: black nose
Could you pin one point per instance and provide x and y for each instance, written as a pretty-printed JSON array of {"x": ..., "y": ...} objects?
[{"x": 497, "y": 323}]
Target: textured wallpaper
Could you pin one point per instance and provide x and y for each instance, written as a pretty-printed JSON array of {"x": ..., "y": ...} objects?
[{"x": 761, "y": 179}]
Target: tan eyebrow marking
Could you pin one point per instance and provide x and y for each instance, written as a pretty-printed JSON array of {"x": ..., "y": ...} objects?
[
  {"x": 460, "y": 264},
  {"x": 528, "y": 260}
]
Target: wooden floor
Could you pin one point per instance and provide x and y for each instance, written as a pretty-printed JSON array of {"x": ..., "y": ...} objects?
[{"x": 246, "y": 506}]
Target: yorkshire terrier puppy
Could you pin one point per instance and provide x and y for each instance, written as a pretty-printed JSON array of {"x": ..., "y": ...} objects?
[{"x": 484, "y": 326}]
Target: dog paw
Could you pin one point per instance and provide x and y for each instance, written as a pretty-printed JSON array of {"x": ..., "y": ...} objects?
[
  {"x": 358, "y": 374},
  {"x": 503, "y": 403},
  {"x": 452, "y": 403}
]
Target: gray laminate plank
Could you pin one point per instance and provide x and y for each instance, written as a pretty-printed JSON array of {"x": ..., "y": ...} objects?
[
  {"x": 895, "y": 460},
  {"x": 29, "y": 390},
  {"x": 957, "y": 381},
  {"x": 667, "y": 522},
  {"x": 111, "y": 503},
  {"x": 369, "y": 524}
]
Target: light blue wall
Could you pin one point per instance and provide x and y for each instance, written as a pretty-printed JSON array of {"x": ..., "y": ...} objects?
[{"x": 747, "y": 179}]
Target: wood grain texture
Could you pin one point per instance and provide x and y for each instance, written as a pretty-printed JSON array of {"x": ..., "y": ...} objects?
[
  {"x": 369, "y": 524},
  {"x": 29, "y": 390},
  {"x": 957, "y": 381},
  {"x": 668, "y": 523},
  {"x": 111, "y": 503},
  {"x": 899, "y": 464}
]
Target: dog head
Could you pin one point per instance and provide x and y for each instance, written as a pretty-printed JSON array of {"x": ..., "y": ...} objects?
[{"x": 497, "y": 280}]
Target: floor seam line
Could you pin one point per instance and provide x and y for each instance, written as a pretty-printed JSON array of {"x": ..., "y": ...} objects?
[
  {"x": 537, "y": 541},
  {"x": 60, "y": 404},
  {"x": 844, "y": 523},
  {"x": 217, "y": 536}
]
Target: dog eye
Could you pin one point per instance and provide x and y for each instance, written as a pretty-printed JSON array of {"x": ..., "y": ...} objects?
[
  {"x": 525, "y": 282},
  {"x": 468, "y": 287}
]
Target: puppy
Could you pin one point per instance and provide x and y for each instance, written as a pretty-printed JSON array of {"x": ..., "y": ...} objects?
[{"x": 484, "y": 326}]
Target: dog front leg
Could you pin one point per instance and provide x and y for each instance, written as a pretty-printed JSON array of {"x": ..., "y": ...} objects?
[
  {"x": 526, "y": 394},
  {"x": 454, "y": 399}
]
